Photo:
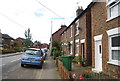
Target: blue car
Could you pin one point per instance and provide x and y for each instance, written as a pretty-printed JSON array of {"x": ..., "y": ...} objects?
[{"x": 32, "y": 56}]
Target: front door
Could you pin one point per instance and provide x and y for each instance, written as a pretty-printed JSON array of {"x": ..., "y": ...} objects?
[{"x": 98, "y": 56}]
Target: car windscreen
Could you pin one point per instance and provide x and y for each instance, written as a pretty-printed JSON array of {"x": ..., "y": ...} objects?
[{"x": 33, "y": 52}]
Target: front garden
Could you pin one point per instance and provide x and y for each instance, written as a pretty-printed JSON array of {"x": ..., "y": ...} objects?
[{"x": 12, "y": 50}]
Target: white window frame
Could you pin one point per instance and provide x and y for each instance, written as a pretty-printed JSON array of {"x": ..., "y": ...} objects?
[
  {"x": 70, "y": 31},
  {"x": 65, "y": 35},
  {"x": 77, "y": 47},
  {"x": 113, "y": 33},
  {"x": 71, "y": 42},
  {"x": 109, "y": 6},
  {"x": 77, "y": 29}
]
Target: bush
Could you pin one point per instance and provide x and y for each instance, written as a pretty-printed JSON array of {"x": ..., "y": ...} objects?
[
  {"x": 19, "y": 49},
  {"x": 74, "y": 61},
  {"x": 57, "y": 53},
  {"x": 4, "y": 51},
  {"x": 86, "y": 75}
]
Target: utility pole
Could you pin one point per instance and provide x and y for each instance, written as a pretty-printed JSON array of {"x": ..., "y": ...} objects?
[{"x": 51, "y": 40}]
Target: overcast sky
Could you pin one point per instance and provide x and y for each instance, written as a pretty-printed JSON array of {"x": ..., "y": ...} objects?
[{"x": 16, "y": 16}]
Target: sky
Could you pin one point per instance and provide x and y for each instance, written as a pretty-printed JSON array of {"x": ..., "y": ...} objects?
[{"x": 16, "y": 16}]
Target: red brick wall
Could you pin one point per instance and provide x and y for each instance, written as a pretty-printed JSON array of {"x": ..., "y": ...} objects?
[
  {"x": 56, "y": 36},
  {"x": 85, "y": 33}
]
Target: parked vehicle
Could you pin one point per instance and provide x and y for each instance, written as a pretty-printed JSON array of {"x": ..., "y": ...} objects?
[
  {"x": 32, "y": 56},
  {"x": 44, "y": 53}
]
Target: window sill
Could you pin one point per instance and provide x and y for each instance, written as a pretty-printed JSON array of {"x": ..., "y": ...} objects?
[
  {"x": 111, "y": 18},
  {"x": 77, "y": 34},
  {"x": 114, "y": 63},
  {"x": 70, "y": 53},
  {"x": 76, "y": 54}
]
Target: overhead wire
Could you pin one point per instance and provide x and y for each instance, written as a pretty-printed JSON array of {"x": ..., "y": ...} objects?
[
  {"x": 51, "y": 10},
  {"x": 14, "y": 22}
]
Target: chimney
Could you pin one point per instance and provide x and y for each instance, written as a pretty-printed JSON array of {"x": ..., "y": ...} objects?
[
  {"x": 79, "y": 10},
  {"x": 63, "y": 26}
]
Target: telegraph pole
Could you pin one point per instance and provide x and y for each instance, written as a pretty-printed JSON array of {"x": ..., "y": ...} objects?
[{"x": 51, "y": 40}]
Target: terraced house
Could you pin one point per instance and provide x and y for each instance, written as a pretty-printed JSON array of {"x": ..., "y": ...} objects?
[
  {"x": 78, "y": 34},
  {"x": 95, "y": 35},
  {"x": 105, "y": 17}
]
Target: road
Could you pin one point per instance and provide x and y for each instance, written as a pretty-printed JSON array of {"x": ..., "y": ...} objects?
[{"x": 11, "y": 69}]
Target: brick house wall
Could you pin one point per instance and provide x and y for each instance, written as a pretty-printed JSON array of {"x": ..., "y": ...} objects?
[
  {"x": 20, "y": 43},
  {"x": 100, "y": 26},
  {"x": 85, "y": 34},
  {"x": 66, "y": 36},
  {"x": 84, "y": 24},
  {"x": 94, "y": 26},
  {"x": 56, "y": 36},
  {"x": 7, "y": 41}
]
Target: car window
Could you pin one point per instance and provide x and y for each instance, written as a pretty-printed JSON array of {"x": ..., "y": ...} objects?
[
  {"x": 41, "y": 53},
  {"x": 33, "y": 52}
]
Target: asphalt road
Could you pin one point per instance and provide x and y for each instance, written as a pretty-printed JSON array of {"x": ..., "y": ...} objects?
[{"x": 11, "y": 69}]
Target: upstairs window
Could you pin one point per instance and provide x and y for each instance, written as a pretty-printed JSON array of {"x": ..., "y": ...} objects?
[
  {"x": 65, "y": 35},
  {"x": 71, "y": 31},
  {"x": 113, "y": 8},
  {"x": 77, "y": 28}
]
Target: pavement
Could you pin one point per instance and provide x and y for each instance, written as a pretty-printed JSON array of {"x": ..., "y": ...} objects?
[{"x": 10, "y": 54}]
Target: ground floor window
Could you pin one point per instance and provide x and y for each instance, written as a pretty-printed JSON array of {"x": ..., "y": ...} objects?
[
  {"x": 76, "y": 48},
  {"x": 114, "y": 45},
  {"x": 71, "y": 49}
]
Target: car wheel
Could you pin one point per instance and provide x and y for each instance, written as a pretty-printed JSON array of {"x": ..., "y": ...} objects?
[
  {"x": 40, "y": 66},
  {"x": 22, "y": 65},
  {"x": 43, "y": 62}
]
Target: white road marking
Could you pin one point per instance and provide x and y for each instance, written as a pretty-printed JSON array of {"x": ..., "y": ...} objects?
[
  {"x": 15, "y": 60},
  {"x": 2, "y": 65}
]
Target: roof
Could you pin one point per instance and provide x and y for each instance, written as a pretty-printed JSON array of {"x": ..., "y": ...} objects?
[
  {"x": 62, "y": 26},
  {"x": 6, "y": 36},
  {"x": 19, "y": 38},
  {"x": 88, "y": 7}
]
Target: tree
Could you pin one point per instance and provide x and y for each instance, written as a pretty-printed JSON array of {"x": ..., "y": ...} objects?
[
  {"x": 28, "y": 40},
  {"x": 57, "y": 44},
  {"x": 15, "y": 44}
]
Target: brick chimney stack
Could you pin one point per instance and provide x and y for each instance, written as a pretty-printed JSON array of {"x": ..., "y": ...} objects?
[
  {"x": 79, "y": 10},
  {"x": 63, "y": 26}
]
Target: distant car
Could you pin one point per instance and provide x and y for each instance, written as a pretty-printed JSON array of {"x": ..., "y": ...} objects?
[
  {"x": 44, "y": 53},
  {"x": 32, "y": 56}
]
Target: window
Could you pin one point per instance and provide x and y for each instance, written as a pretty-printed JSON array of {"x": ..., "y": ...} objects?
[
  {"x": 113, "y": 9},
  {"x": 77, "y": 28},
  {"x": 71, "y": 31},
  {"x": 114, "y": 46},
  {"x": 83, "y": 55},
  {"x": 100, "y": 49},
  {"x": 71, "y": 49},
  {"x": 64, "y": 35},
  {"x": 77, "y": 46}
]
